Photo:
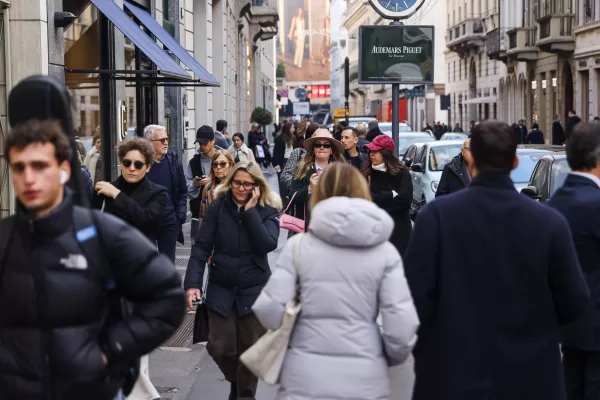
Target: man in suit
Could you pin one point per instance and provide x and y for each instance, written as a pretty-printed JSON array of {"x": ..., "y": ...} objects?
[
  {"x": 456, "y": 174},
  {"x": 490, "y": 295},
  {"x": 579, "y": 201}
]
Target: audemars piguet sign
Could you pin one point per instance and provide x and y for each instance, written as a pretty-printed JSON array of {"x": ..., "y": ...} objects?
[{"x": 395, "y": 54}]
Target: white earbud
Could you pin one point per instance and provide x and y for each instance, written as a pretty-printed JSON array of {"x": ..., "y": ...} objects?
[{"x": 64, "y": 177}]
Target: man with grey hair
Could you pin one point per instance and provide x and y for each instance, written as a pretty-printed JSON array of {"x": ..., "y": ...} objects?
[
  {"x": 167, "y": 171},
  {"x": 362, "y": 137},
  {"x": 373, "y": 130}
]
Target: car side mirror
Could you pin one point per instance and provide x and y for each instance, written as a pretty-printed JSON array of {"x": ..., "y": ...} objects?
[
  {"x": 417, "y": 167},
  {"x": 407, "y": 162},
  {"x": 530, "y": 191}
]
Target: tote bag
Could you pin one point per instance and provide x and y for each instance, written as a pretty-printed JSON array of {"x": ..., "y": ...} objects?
[{"x": 265, "y": 358}]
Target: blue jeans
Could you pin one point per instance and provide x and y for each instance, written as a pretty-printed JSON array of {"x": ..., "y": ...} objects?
[{"x": 120, "y": 396}]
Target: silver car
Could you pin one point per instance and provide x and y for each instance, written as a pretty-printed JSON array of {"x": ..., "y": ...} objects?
[
  {"x": 427, "y": 170},
  {"x": 528, "y": 159},
  {"x": 406, "y": 139}
]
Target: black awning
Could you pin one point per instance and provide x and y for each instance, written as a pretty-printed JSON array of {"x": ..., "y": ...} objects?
[
  {"x": 202, "y": 75},
  {"x": 166, "y": 65}
]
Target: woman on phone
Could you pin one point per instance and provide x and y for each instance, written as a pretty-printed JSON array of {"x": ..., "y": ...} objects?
[{"x": 240, "y": 228}]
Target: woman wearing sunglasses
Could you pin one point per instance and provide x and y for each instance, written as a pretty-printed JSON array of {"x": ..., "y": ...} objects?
[
  {"x": 222, "y": 162},
  {"x": 321, "y": 150},
  {"x": 240, "y": 228},
  {"x": 132, "y": 197}
]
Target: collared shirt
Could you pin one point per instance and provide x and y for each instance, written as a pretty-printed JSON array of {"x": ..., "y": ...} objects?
[
  {"x": 593, "y": 177},
  {"x": 318, "y": 169}
]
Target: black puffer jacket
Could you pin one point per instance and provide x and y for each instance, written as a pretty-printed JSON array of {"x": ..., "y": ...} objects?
[
  {"x": 54, "y": 308},
  {"x": 241, "y": 241}
]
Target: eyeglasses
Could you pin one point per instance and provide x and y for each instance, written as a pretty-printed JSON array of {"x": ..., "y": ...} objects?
[
  {"x": 137, "y": 164},
  {"x": 324, "y": 145},
  {"x": 221, "y": 164},
  {"x": 163, "y": 140},
  {"x": 246, "y": 185}
]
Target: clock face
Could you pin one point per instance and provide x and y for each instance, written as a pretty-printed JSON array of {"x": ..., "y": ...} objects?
[{"x": 396, "y": 9}]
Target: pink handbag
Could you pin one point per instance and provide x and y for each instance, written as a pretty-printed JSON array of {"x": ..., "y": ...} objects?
[{"x": 290, "y": 223}]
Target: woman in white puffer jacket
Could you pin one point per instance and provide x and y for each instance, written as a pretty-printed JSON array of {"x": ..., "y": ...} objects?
[{"x": 348, "y": 273}]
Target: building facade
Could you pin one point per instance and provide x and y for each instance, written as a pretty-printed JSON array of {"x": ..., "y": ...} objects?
[
  {"x": 473, "y": 76},
  {"x": 338, "y": 53},
  {"x": 204, "y": 61},
  {"x": 376, "y": 100}
]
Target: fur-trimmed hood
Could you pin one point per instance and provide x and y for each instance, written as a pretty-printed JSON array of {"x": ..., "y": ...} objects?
[{"x": 272, "y": 200}]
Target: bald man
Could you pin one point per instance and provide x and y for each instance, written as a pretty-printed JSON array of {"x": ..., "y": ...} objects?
[{"x": 456, "y": 176}]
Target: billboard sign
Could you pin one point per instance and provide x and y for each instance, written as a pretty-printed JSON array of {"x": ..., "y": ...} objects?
[
  {"x": 396, "y": 54},
  {"x": 303, "y": 41}
]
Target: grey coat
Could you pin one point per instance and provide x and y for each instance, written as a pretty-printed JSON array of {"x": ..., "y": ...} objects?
[{"x": 348, "y": 273}]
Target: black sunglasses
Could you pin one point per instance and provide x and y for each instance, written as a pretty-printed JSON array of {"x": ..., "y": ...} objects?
[
  {"x": 324, "y": 145},
  {"x": 137, "y": 164},
  {"x": 163, "y": 140},
  {"x": 221, "y": 164}
]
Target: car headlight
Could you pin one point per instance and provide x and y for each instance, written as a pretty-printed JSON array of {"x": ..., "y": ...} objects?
[{"x": 434, "y": 186}]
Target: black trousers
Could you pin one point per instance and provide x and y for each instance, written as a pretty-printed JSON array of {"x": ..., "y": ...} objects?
[
  {"x": 582, "y": 373},
  {"x": 228, "y": 338}
]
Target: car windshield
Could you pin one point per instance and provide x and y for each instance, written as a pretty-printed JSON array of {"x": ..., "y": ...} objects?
[
  {"x": 387, "y": 127},
  {"x": 560, "y": 170},
  {"x": 439, "y": 156},
  {"x": 404, "y": 142},
  {"x": 527, "y": 162}
]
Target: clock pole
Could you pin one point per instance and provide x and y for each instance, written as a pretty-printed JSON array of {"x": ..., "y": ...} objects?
[{"x": 396, "y": 108}]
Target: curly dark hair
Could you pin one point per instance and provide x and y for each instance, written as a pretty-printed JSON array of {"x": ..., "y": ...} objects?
[
  {"x": 39, "y": 131},
  {"x": 139, "y": 144},
  {"x": 394, "y": 166}
]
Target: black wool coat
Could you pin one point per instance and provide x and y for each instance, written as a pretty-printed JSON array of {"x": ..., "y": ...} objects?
[
  {"x": 490, "y": 295},
  {"x": 383, "y": 185},
  {"x": 142, "y": 208}
]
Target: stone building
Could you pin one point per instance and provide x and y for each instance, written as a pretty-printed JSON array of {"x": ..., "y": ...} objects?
[{"x": 130, "y": 63}]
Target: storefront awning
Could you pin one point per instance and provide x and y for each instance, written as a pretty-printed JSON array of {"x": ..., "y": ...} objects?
[
  {"x": 165, "y": 64},
  {"x": 202, "y": 75},
  {"x": 481, "y": 100}
]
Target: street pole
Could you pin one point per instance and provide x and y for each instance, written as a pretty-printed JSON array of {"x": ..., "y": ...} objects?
[
  {"x": 395, "y": 108},
  {"x": 347, "y": 90}
]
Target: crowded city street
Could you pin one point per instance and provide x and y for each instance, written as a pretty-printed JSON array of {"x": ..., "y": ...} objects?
[{"x": 299, "y": 200}]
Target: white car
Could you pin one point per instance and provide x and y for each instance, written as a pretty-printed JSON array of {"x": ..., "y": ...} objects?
[{"x": 426, "y": 171}]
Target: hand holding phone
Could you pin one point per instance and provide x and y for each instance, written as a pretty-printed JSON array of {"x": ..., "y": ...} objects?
[{"x": 253, "y": 197}]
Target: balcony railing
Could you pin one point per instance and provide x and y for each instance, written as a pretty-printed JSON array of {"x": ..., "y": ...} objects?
[
  {"x": 495, "y": 44},
  {"x": 466, "y": 35},
  {"x": 521, "y": 44}
]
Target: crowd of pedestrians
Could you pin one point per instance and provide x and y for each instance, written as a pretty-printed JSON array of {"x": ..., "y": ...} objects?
[{"x": 487, "y": 309}]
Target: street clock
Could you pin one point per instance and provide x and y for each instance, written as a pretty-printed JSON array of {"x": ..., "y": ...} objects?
[{"x": 396, "y": 9}]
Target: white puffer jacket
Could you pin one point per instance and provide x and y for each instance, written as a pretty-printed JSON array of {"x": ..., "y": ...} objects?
[{"x": 348, "y": 274}]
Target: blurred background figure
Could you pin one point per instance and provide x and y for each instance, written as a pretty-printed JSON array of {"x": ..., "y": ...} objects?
[{"x": 239, "y": 151}]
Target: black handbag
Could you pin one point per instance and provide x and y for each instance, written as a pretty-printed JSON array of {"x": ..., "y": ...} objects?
[{"x": 201, "y": 317}]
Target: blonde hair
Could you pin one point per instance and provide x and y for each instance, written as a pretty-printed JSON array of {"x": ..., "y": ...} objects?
[
  {"x": 309, "y": 161},
  {"x": 341, "y": 180},
  {"x": 216, "y": 156},
  {"x": 267, "y": 197}
]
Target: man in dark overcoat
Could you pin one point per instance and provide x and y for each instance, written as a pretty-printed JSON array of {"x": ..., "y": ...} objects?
[
  {"x": 579, "y": 201},
  {"x": 491, "y": 295}
]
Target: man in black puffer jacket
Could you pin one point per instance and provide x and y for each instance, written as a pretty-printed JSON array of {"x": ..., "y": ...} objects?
[
  {"x": 455, "y": 175},
  {"x": 60, "y": 337}
]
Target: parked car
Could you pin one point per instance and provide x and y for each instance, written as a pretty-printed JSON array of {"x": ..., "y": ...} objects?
[
  {"x": 426, "y": 170},
  {"x": 407, "y": 139},
  {"x": 386, "y": 127},
  {"x": 454, "y": 136},
  {"x": 548, "y": 175},
  {"x": 528, "y": 158},
  {"x": 414, "y": 152}
]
